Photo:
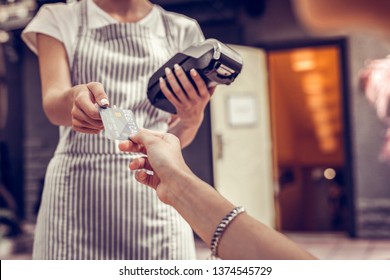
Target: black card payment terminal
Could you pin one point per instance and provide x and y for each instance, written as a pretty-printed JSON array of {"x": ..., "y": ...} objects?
[{"x": 213, "y": 60}]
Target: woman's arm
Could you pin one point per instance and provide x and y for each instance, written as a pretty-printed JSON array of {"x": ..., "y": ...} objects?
[
  {"x": 63, "y": 104},
  {"x": 201, "y": 206},
  {"x": 57, "y": 95}
]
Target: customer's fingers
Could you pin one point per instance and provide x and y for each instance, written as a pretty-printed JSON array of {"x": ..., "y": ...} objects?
[
  {"x": 131, "y": 146},
  {"x": 144, "y": 178},
  {"x": 146, "y": 137},
  {"x": 140, "y": 163}
]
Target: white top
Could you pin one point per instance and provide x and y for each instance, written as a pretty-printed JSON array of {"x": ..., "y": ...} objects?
[{"x": 61, "y": 21}]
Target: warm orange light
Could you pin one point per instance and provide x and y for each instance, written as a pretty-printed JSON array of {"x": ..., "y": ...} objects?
[
  {"x": 313, "y": 83},
  {"x": 321, "y": 116},
  {"x": 328, "y": 144},
  {"x": 303, "y": 60},
  {"x": 315, "y": 102},
  {"x": 324, "y": 130}
]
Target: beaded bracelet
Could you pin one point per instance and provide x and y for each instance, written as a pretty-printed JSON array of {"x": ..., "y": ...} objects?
[{"x": 222, "y": 227}]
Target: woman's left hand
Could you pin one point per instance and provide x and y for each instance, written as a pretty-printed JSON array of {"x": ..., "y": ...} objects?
[{"x": 189, "y": 100}]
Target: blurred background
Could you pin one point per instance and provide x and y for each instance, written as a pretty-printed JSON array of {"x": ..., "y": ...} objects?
[{"x": 294, "y": 139}]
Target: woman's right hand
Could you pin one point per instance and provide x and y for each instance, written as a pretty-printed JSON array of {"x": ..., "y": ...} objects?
[
  {"x": 85, "y": 113},
  {"x": 64, "y": 104}
]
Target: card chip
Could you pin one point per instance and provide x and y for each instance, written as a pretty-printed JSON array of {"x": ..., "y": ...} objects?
[{"x": 118, "y": 124}]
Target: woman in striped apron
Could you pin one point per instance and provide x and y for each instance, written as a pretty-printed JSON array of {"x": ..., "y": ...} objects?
[{"x": 92, "y": 207}]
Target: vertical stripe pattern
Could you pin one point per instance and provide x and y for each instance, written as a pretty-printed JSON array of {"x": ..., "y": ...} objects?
[{"x": 92, "y": 207}]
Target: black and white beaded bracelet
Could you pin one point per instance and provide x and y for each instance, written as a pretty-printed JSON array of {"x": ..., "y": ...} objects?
[{"x": 222, "y": 227}]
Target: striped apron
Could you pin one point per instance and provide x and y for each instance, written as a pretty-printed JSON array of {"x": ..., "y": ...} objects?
[{"x": 92, "y": 207}]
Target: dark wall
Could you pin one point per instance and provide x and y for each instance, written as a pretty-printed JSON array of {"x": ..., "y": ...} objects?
[
  {"x": 28, "y": 140},
  {"x": 11, "y": 136}
]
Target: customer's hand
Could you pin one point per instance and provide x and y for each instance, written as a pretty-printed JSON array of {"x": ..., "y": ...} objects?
[
  {"x": 188, "y": 100},
  {"x": 85, "y": 114},
  {"x": 164, "y": 159}
]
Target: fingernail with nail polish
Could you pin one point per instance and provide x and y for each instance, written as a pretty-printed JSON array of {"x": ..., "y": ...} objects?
[
  {"x": 104, "y": 101},
  {"x": 193, "y": 72}
]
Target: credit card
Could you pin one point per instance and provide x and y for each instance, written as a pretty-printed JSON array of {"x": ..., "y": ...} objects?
[{"x": 118, "y": 124}]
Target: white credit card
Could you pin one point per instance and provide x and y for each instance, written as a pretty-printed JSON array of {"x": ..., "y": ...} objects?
[{"x": 118, "y": 124}]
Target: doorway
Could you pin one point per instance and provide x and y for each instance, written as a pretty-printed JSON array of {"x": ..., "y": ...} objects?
[
  {"x": 241, "y": 138},
  {"x": 309, "y": 132}
]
